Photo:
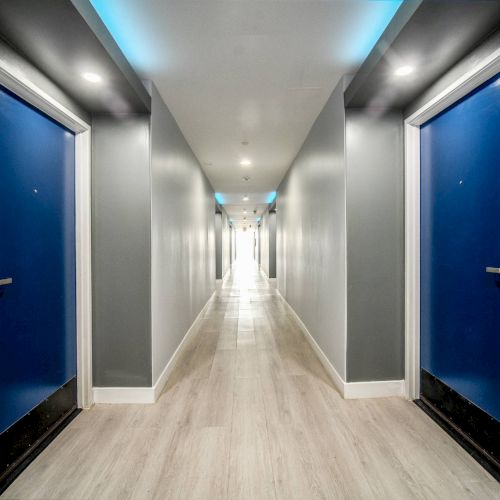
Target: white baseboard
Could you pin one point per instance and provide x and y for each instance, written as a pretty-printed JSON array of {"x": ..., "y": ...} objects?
[
  {"x": 349, "y": 390},
  {"x": 374, "y": 389},
  {"x": 167, "y": 371},
  {"x": 148, "y": 395},
  {"x": 123, "y": 395}
]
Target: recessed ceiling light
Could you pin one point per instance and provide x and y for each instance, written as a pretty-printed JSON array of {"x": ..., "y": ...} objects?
[
  {"x": 245, "y": 162},
  {"x": 245, "y": 211},
  {"x": 244, "y": 143},
  {"x": 245, "y": 198},
  {"x": 92, "y": 77},
  {"x": 404, "y": 71},
  {"x": 246, "y": 178}
]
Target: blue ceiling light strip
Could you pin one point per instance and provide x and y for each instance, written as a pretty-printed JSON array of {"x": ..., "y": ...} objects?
[
  {"x": 372, "y": 26},
  {"x": 219, "y": 198},
  {"x": 124, "y": 28},
  {"x": 271, "y": 197}
]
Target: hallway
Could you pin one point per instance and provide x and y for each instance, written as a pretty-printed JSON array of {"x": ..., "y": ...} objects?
[{"x": 250, "y": 413}]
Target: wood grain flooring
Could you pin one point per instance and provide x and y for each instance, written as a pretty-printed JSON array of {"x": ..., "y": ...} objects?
[{"x": 249, "y": 413}]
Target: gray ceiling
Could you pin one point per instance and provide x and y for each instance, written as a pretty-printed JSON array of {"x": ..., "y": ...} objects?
[
  {"x": 64, "y": 38},
  {"x": 432, "y": 36}
]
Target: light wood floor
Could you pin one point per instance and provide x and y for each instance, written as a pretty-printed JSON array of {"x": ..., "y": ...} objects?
[{"x": 250, "y": 413}]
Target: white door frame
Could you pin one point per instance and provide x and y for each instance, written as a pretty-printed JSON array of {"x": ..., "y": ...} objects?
[
  {"x": 483, "y": 71},
  {"x": 14, "y": 80}
]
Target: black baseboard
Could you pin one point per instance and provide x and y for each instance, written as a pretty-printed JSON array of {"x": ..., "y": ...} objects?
[
  {"x": 22, "y": 442},
  {"x": 476, "y": 431}
]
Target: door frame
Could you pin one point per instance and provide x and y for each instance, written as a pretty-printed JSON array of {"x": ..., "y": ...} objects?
[
  {"x": 482, "y": 71},
  {"x": 15, "y": 81}
]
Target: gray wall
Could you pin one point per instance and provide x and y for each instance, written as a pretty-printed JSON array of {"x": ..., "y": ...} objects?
[
  {"x": 375, "y": 251},
  {"x": 272, "y": 245},
  {"x": 218, "y": 245},
  {"x": 266, "y": 240},
  {"x": 121, "y": 263},
  {"x": 222, "y": 244},
  {"x": 311, "y": 229},
  {"x": 226, "y": 245},
  {"x": 183, "y": 236},
  {"x": 264, "y": 243}
]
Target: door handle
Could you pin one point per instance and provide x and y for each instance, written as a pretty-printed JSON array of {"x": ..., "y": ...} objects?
[
  {"x": 494, "y": 270},
  {"x": 5, "y": 281}
]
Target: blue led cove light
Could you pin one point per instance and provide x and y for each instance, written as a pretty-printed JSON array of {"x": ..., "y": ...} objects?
[{"x": 271, "y": 197}]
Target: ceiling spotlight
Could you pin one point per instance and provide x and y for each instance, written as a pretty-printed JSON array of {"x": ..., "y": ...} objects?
[
  {"x": 404, "y": 71},
  {"x": 244, "y": 143},
  {"x": 246, "y": 178},
  {"x": 245, "y": 163},
  {"x": 245, "y": 198},
  {"x": 245, "y": 211},
  {"x": 92, "y": 77}
]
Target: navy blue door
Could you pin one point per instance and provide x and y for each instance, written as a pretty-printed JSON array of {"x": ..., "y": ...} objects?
[
  {"x": 37, "y": 250},
  {"x": 460, "y": 238}
]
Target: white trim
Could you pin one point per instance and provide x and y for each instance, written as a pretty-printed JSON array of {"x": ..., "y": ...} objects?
[
  {"x": 149, "y": 395},
  {"x": 484, "y": 70},
  {"x": 374, "y": 389},
  {"x": 123, "y": 395},
  {"x": 83, "y": 268},
  {"x": 412, "y": 261},
  {"x": 348, "y": 390},
  {"x": 15, "y": 81},
  {"x": 167, "y": 371}
]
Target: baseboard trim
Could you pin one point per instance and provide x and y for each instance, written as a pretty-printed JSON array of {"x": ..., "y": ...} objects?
[
  {"x": 348, "y": 390},
  {"x": 123, "y": 395},
  {"x": 149, "y": 395},
  {"x": 374, "y": 389},
  {"x": 167, "y": 371},
  {"x": 327, "y": 365}
]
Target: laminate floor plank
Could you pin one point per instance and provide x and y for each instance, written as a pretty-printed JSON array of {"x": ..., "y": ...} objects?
[{"x": 249, "y": 413}]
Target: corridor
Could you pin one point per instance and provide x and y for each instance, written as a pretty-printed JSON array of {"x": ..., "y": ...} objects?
[{"x": 250, "y": 413}]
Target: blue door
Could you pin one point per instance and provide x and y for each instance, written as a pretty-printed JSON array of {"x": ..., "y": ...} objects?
[
  {"x": 460, "y": 239},
  {"x": 37, "y": 251}
]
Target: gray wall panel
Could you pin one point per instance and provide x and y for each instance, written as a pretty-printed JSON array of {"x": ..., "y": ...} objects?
[
  {"x": 226, "y": 247},
  {"x": 272, "y": 245},
  {"x": 311, "y": 232},
  {"x": 218, "y": 246},
  {"x": 121, "y": 251},
  {"x": 264, "y": 243},
  {"x": 183, "y": 236},
  {"x": 267, "y": 242},
  {"x": 375, "y": 251}
]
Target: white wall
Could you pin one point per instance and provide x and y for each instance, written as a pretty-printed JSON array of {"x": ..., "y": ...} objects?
[
  {"x": 183, "y": 237},
  {"x": 311, "y": 234}
]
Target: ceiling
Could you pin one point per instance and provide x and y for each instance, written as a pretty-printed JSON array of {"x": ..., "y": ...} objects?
[
  {"x": 245, "y": 71},
  {"x": 432, "y": 38}
]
